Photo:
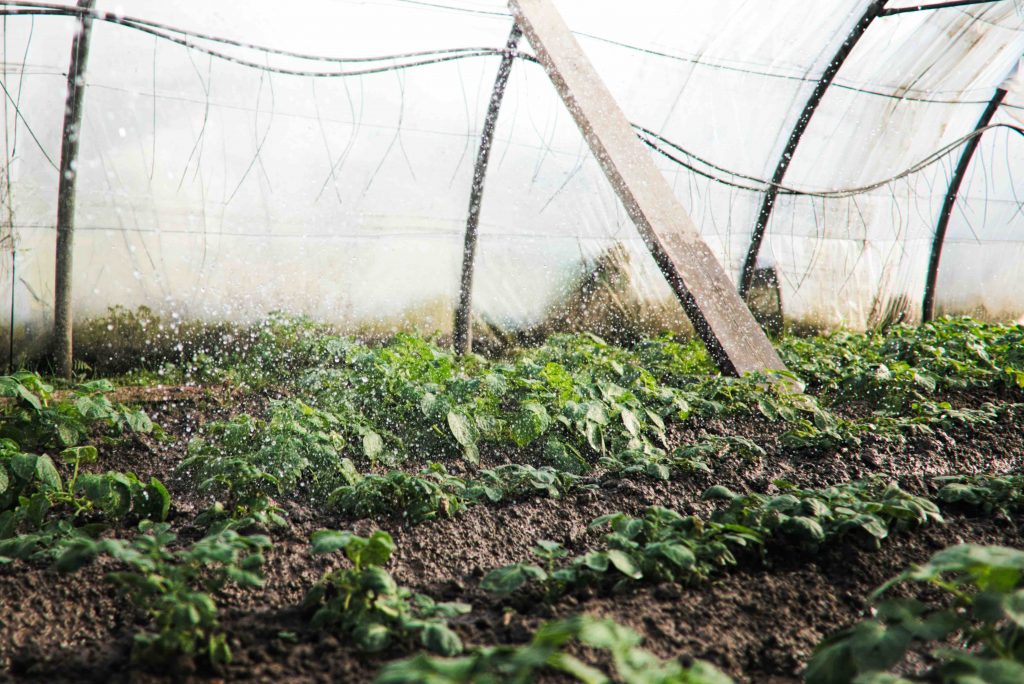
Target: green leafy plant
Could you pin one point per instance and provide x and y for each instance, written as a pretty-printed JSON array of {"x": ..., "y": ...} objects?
[
  {"x": 37, "y": 419},
  {"x": 517, "y": 481},
  {"x": 666, "y": 546},
  {"x": 509, "y": 578},
  {"x": 32, "y": 492},
  {"x": 869, "y": 509},
  {"x": 431, "y": 493},
  {"x": 631, "y": 664},
  {"x": 176, "y": 588},
  {"x": 299, "y": 450},
  {"x": 366, "y": 604},
  {"x": 687, "y": 458},
  {"x": 661, "y": 546},
  {"x": 981, "y": 594},
  {"x": 1002, "y": 494}
]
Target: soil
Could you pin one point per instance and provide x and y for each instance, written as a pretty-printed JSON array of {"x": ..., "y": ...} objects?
[{"x": 759, "y": 621}]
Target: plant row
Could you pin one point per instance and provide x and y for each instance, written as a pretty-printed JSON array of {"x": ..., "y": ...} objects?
[{"x": 576, "y": 402}]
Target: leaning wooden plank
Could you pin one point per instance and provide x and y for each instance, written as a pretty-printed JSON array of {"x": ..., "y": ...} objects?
[{"x": 708, "y": 296}]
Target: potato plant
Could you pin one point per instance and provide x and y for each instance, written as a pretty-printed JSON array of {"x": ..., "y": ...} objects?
[
  {"x": 972, "y": 620},
  {"x": 37, "y": 419},
  {"x": 666, "y": 546},
  {"x": 516, "y": 481},
  {"x": 176, "y": 588},
  {"x": 365, "y": 604},
  {"x": 547, "y": 650},
  {"x": 416, "y": 498},
  {"x": 660, "y": 546},
  {"x": 868, "y": 510},
  {"x": 34, "y": 500},
  {"x": 1002, "y": 494}
]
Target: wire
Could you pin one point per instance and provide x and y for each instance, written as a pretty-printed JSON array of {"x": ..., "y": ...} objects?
[
  {"x": 439, "y": 56},
  {"x": 17, "y": 110},
  {"x": 152, "y": 27},
  {"x": 49, "y": 9},
  {"x": 450, "y": 54},
  {"x": 933, "y": 158}
]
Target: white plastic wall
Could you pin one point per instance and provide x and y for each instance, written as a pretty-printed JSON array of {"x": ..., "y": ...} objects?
[{"x": 214, "y": 190}]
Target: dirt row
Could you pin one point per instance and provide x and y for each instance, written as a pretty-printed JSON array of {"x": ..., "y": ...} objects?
[{"x": 759, "y": 621}]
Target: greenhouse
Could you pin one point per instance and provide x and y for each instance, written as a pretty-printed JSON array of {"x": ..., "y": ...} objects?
[{"x": 541, "y": 340}]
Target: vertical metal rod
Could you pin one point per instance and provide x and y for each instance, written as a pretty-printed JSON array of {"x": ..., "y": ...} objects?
[
  {"x": 14, "y": 281},
  {"x": 10, "y": 208},
  {"x": 928, "y": 303},
  {"x": 62, "y": 311},
  {"x": 462, "y": 336},
  {"x": 757, "y": 237}
]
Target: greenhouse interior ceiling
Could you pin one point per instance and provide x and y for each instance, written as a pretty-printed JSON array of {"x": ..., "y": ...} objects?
[{"x": 239, "y": 158}]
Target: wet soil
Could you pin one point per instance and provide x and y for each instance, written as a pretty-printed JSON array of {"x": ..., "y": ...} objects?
[{"x": 758, "y": 621}]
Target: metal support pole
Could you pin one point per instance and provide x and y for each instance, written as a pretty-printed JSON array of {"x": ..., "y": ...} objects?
[
  {"x": 928, "y": 303},
  {"x": 757, "y": 237},
  {"x": 62, "y": 311},
  {"x": 462, "y": 336},
  {"x": 933, "y": 6}
]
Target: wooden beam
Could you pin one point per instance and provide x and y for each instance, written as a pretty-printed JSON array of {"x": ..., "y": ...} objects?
[
  {"x": 707, "y": 294},
  {"x": 63, "y": 316}
]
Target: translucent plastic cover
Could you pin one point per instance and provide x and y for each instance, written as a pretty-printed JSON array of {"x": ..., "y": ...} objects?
[{"x": 216, "y": 186}]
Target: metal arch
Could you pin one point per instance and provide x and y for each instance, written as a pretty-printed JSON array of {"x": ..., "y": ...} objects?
[
  {"x": 928, "y": 303},
  {"x": 933, "y": 6},
  {"x": 757, "y": 237},
  {"x": 462, "y": 334}
]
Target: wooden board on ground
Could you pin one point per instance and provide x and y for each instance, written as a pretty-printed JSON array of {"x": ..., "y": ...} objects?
[{"x": 706, "y": 292}]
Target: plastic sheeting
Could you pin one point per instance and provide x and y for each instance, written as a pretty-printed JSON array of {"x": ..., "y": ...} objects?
[{"x": 214, "y": 190}]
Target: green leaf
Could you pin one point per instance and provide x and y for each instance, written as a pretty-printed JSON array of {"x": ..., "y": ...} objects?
[
  {"x": 36, "y": 509},
  {"x": 5, "y": 481},
  {"x": 77, "y": 554},
  {"x": 220, "y": 652},
  {"x": 372, "y": 637},
  {"x": 576, "y": 668},
  {"x": 658, "y": 471},
  {"x": 326, "y": 541},
  {"x": 874, "y": 646},
  {"x": 378, "y": 549},
  {"x": 24, "y": 466},
  {"x": 531, "y": 421},
  {"x": 595, "y": 560},
  {"x": 462, "y": 429},
  {"x": 373, "y": 445},
  {"x": 806, "y": 529},
  {"x": 624, "y": 563},
  {"x": 138, "y": 421},
  {"x": 718, "y": 493},
  {"x": 831, "y": 663},
  {"x": 121, "y": 487},
  {"x": 508, "y": 579},
  {"x": 47, "y": 473},
  {"x": 80, "y": 454},
  {"x": 440, "y": 639},
  {"x": 882, "y": 678},
  {"x": 157, "y": 501},
  {"x": 631, "y": 422},
  {"x": 676, "y": 553},
  {"x": 28, "y": 396}
]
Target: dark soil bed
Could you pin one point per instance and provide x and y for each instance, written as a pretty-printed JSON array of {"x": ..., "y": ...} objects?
[{"x": 758, "y": 621}]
